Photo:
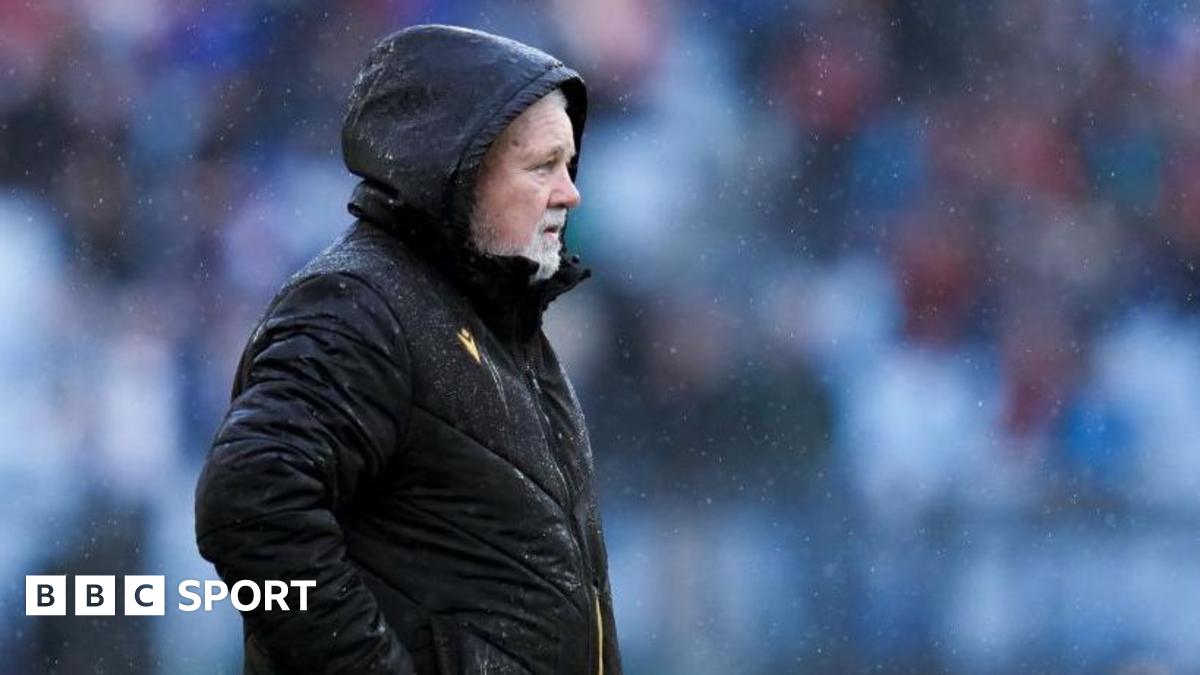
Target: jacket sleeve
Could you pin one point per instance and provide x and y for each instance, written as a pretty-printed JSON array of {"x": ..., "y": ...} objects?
[{"x": 322, "y": 400}]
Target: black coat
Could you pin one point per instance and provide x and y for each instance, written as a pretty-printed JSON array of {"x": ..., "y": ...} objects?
[{"x": 401, "y": 430}]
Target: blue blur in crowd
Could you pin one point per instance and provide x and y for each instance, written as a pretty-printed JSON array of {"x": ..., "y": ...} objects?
[{"x": 891, "y": 359}]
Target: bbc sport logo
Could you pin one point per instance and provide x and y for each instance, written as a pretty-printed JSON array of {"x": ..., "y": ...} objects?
[{"x": 146, "y": 595}]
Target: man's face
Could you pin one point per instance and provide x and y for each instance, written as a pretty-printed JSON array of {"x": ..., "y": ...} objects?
[{"x": 524, "y": 190}]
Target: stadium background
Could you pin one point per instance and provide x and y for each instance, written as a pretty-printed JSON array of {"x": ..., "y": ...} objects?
[{"x": 891, "y": 357}]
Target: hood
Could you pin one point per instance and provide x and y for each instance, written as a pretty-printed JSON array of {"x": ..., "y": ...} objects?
[{"x": 424, "y": 109}]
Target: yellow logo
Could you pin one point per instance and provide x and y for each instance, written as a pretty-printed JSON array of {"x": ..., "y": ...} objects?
[{"x": 468, "y": 343}]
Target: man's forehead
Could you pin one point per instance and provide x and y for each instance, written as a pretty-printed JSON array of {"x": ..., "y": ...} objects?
[{"x": 545, "y": 125}]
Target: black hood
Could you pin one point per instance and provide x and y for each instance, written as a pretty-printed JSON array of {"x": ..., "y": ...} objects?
[{"x": 424, "y": 109}]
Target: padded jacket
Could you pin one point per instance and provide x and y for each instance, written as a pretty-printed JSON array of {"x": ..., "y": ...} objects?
[{"x": 401, "y": 431}]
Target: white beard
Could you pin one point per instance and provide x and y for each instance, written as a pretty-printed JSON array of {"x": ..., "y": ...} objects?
[{"x": 540, "y": 248}]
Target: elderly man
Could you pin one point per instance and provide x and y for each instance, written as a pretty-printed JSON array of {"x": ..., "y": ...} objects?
[{"x": 401, "y": 431}]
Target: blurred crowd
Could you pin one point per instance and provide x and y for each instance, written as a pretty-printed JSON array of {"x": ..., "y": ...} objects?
[{"x": 891, "y": 357}]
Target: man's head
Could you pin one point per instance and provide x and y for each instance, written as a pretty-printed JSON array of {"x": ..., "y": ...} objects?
[{"x": 524, "y": 188}]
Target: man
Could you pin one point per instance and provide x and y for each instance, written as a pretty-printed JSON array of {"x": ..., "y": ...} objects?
[{"x": 401, "y": 431}]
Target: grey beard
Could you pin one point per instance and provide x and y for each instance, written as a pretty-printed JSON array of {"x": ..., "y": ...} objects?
[{"x": 539, "y": 249}]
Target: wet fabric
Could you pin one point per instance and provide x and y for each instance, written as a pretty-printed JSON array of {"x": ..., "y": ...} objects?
[{"x": 401, "y": 430}]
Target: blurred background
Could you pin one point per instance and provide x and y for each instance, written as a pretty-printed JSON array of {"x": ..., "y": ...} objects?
[{"x": 891, "y": 357}]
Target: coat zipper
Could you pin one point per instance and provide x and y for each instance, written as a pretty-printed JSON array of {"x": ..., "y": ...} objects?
[
  {"x": 547, "y": 430},
  {"x": 599, "y": 632},
  {"x": 572, "y": 495}
]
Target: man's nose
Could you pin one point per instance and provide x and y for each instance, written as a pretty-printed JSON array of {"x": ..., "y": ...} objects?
[{"x": 566, "y": 195}]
